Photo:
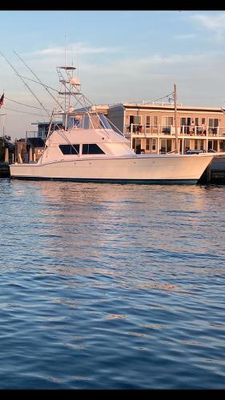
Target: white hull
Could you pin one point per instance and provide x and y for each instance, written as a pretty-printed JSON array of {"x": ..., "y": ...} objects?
[{"x": 143, "y": 168}]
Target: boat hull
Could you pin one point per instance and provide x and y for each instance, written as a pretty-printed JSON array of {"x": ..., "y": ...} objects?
[{"x": 158, "y": 169}]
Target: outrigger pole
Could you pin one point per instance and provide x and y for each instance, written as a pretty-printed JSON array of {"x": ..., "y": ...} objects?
[
  {"x": 45, "y": 86},
  {"x": 28, "y": 87}
]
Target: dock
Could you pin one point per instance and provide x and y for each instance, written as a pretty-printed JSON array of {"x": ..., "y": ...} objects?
[
  {"x": 215, "y": 173},
  {"x": 218, "y": 170},
  {"x": 4, "y": 170}
]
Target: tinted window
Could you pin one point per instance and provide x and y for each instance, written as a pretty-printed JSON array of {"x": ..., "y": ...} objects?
[
  {"x": 92, "y": 149},
  {"x": 69, "y": 148}
]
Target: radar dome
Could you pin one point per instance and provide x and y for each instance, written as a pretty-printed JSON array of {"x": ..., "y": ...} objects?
[{"x": 74, "y": 81}]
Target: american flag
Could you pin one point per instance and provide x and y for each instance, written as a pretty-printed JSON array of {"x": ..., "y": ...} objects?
[{"x": 1, "y": 99}]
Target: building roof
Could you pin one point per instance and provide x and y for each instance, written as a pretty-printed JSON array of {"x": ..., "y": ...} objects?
[
  {"x": 45, "y": 122},
  {"x": 168, "y": 107},
  {"x": 9, "y": 144}
]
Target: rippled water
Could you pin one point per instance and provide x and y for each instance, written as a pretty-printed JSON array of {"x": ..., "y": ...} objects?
[{"x": 111, "y": 286}]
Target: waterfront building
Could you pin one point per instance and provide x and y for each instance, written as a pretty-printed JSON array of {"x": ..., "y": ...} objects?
[
  {"x": 151, "y": 127},
  {"x": 43, "y": 127}
]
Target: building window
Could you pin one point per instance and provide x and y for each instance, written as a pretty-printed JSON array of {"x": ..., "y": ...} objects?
[
  {"x": 185, "y": 125},
  {"x": 222, "y": 145},
  {"x": 135, "y": 121},
  {"x": 155, "y": 120},
  {"x": 131, "y": 119},
  {"x": 153, "y": 144},
  {"x": 213, "y": 125},
  {"x": 167, "y": 121},
  {"x": 147, "y": 121},
  {"x": 137, "y": 146},
  {"x": 213, "y": 122},
  {"x": 147, "y": 144}
]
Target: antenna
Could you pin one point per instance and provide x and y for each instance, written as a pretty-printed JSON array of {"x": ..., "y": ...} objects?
[
  {"x": 65, "y": 50},
  {"x": 77, "y": 60}
]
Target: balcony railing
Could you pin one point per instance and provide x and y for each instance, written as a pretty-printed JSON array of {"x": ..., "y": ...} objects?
[{"x": 183, "y": 130}]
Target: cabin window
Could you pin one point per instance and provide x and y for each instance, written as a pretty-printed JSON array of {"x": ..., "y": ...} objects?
[
  {"x": 69, "y": 148},
  {"x": 92, "y": 149}
]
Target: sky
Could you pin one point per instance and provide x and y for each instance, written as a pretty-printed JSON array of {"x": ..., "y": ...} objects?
[{"x": 121, "y": 56}]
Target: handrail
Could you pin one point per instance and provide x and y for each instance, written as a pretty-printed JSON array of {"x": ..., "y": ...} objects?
[{"x": 183, "y": 130}]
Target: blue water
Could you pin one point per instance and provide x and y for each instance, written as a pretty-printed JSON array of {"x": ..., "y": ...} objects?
[{"x": 111, "y": 286}]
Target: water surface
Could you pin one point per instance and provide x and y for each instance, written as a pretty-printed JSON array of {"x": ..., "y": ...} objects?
[{"x": 111, "y": 286}]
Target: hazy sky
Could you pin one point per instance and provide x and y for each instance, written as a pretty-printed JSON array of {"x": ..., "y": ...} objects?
[{"x": 120, "y": 55}]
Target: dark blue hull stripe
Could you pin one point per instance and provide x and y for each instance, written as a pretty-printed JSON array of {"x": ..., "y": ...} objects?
[{"x": 120, "y": 181}]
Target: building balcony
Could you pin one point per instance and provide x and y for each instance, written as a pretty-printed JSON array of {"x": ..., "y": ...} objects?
[{"x": 183, "y": 131}]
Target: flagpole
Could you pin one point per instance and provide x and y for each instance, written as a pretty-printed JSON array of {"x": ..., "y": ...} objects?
[
  {"x": 2, "y": 99},
  {"x": 3, "y": 127},
  {"x": 175, "y": 120}
]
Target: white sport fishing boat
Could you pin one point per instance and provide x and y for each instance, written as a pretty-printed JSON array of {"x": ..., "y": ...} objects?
[{"x": 89, "y": 148}]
